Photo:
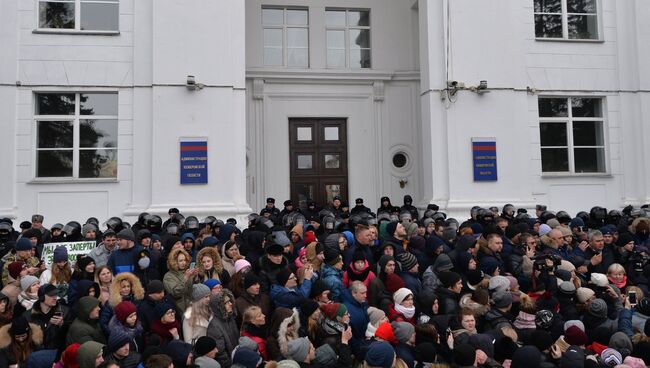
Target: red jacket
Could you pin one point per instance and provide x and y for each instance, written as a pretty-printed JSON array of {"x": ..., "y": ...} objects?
[
  {"x": 261, "y": 344},
  {"x": 395, "y": 316}
]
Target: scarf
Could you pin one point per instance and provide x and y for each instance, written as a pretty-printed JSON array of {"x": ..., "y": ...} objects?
[
  {"x": 620, "y": 285},
  {"x": 355, "y": 275},
  {"x": 407, "y": 312},
  {"x": 525, "y": 321}
]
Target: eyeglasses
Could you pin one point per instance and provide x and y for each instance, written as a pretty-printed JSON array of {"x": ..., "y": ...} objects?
[
  {"x": 293, "y": 277},
  {"x": 170, "y": 312}
]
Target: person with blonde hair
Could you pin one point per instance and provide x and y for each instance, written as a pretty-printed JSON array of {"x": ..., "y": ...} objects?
[
  {"x": 124, "y": 287},
  {"x": 254, "y": 327},
  {"x": 198, "y": 315},
  {"x": 179, "y": 279},
  {"x": 104, "y": 278}
]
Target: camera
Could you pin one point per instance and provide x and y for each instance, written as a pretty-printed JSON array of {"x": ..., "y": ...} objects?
[
  {"x": 639, "y": 261},
  {"x": 539, "y": 262}
]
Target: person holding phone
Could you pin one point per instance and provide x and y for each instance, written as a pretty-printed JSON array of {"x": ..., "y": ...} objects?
[{"x": 51, "y": 316}]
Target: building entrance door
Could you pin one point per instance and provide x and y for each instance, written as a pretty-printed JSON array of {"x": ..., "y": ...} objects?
[{"x": 319, "y": 160}]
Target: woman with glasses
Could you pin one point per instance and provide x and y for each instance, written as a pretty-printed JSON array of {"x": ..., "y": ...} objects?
[
  {"x": 223, "y": 326},
  {"x": 167, "y": 327}
]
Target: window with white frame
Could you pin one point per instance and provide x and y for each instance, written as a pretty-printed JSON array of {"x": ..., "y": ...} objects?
[
  {"x": 566, "y": 19},
  {"x": 80, "y": 15},
  {"x": 348, "y": 38},
  {"x": 76, "y": 135},
  {"x": 572, "y": 135},
  {"x": 286, "y": 37}
]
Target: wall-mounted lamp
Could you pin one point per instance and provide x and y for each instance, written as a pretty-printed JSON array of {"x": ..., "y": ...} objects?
[{"x": 192, "y": 85}]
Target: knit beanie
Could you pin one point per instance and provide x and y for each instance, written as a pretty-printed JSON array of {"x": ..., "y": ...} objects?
[
  {"x": 403, "y": 331},
  {"x": 621, "y": 342},
  {"x": 624, "y": 239},
  {"x": 391, "y": 227},
  {"x": 325, "y": 356},
  {"x": 126, "y": 234},
  {"x": 240, "y": 264},
  {"x": 499, "y": 283},
  {"x": 251, "y": 279},
  {"x": 283, "y": 276},
  {"x": 161, "y": 309},
  {"x": 450, "y": 278},
  {"x": 380, "y": 354},
  {"x": 178, "y": 350},
  {"x": 375, "y": 315},
  {"x": 611, "y": 358},
  {"x": 116, "y": 340},
  {"x": 308, "y": 307},
  {"x": 541, "y": 339},
  {"x": 199, "y": 291},
  {"x": 27, "y": 281},
  {"x": 23, "y": 244},
  {"x": 574, "y": 322},
  {"x": 69, "y": 356},
  {"x": 15, "y": 268},
  {"x": 598, "y": 308},
  {"x": 567, "y": 289},
  {"x": 406, "y": 260},
  {"x": 502, "y": 299},
  {"x": 60, "y": 254},
  {"x": 333, "y": 310},
  {"x": 385, "y": 332},
  {"x": 19, "y": 326},
  {"x": 583, "y": 294},
  {"x": 123, "y": 310},
  {"x": 358, "y": 255},
  {"x": 575, "y": 336},
  {"x": 526, "y": 356},
  {"x": 298, "y": 349},
  {"x": 394, "y": 283},
  {"x": 155, "y": 287},
  {"x": 574, "y": 357},
  {"x": 474, "y": 277},
  {"x": 599, "y": 279},
  {"x": 401, "y": 294},
  {"x": 204, "y": 345},
  {"x": 211, "y": 283}
]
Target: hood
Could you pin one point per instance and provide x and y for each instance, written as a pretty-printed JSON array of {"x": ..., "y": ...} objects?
[
  {"x": 298, "y": 230},
  {"x": 632, "y": 227},
  {"x": 5, "y": 337},
  {"x": 218, "y": 306},
  {"x": 351, "y": 268},
  {"x": 172, "y": 263},
  {"x": 283, "y": 338},
  {"x": 442, "y": 263},
  {"x": 87, "y": 354},
  {"x": 85, "y": 306},
  {"x": 328, "y": 270},
  {"x": 467, "y": 302},
  {"x": 85, "y": 285},
  {"x": 216, "y": 259},
  {"x": 408, "y": 200},
  {"x": 136, "y": 288}
]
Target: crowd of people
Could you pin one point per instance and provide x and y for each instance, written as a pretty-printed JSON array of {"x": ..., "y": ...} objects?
[{"x": 331, "y": 287}]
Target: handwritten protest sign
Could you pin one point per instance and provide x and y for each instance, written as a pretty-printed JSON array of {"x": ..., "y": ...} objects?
[{"x": 74, "y": 249}]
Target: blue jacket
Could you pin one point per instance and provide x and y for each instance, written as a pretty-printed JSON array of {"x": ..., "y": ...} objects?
[
  {"x": 290, "y": 298},
  {"x": 358, "y": 315},
  {"x": 123, "y": 260},
  {"x": 412, "y": 282},
  {"x": 332, "y": 278}
]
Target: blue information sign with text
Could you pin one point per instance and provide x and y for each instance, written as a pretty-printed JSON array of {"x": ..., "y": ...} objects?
[
  {"x": 194, "y": 162},
  {"x": 484, "y": 155}
]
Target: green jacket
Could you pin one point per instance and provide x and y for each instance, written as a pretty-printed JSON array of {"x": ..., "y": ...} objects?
[{"x": 83, "y": 328}]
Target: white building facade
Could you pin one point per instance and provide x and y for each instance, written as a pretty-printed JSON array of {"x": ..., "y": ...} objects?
[{"x": 311, "y": 99}]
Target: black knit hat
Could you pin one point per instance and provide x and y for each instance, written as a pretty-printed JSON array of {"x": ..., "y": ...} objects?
[
  {"x": 283, "y": 276},
  {"x": 204, "y": 345},
  {"x": 474, "y": 277},
  {"x": 623, "y": 239},
  {"x": 308, "y": 307},
  {"x": 19, "y": 326},
  {"x": 154, "y": 287},
  {"x": 317, "y": 288},
  {"x": 449, "y": 278},
  {"x": 358, "y": 255},
  {"x": 406, "y": 260},
  {"x": 275, "y": 249},
  {"x": 464, "y": 355}
]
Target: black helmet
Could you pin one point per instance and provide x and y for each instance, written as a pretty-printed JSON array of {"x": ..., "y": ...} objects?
[
  {"x": 474, "y": 212},
  {"x": 113, "y": 223},
  {"x": 439, "y": 216},
  {"x": 598, "y": 214},
  {"x": 173, "y": 229},
  {"x": 126, "y": 225},
  {"x": 584, "y": 216},
  {"x": 191, "y": 223},
  {"x": 72, "y": 229},
  {"x": 545, "y": 216},
  {"x": 93, "y": 220},
  {"x": 329, "y": 223},
  {"x": 563, "y": 217},
  {"x": 154, "y": 223},
  {"x": 614, "y": 217},
  {"x": 142, "y": 218},
  {"x": 508, "y": 210},
  {"x": 209, "y": 220}
]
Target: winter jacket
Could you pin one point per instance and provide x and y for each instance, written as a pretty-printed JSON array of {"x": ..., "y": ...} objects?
[
  {"x": 495, "y": 320},
  {"x": 290, "y": 298},
  {"x": 358, "y": 315},
  {"x": 365, "y": 275},
  {"x": 412, "y": 282},
  {"x": 53, "y": 336},
  {"x": 448, "y": 301},
  {"x": 261, "y": 341},
  {"x": 100, "y": 254},
  {"x": 333, "y": 279},
  {"x": 123, "y": 260},
  {"x": 135, "y": 333},
  {"x": 147, "y": 311},
  {"x": 129, "y": 361},
  {"x": 430, "y": 280},
  {"x": 191, "y": 332},
  {"x": 205, "y": 362},
  {"x": 7, "y": 356},
  {"x": 178, "y": 287},
  {"x": 83, "y": 328},
  {"x": 247, "y": 300},
  {"x": 268, "y": 271},
  {"x": 223, "y": 327},
  {"x": 406, "y": 353}
]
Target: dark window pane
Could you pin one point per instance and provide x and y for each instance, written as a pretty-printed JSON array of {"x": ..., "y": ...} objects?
[
  {"x": 305, "y": 194},
  {"x": 98, "y": 163},
  {"x": 548, "y": 26},
  {"x": 305, "y": 162},
  {"x": 359, "y": 38},
  {"x": 100, "y": 16},
  {"x": 581, "y": 6},
  {"x": 589, "y": 160},
  {"x": 56, "y": 15},
  {"x": 552, "y": 107},
  {"x": 55, "y": 134},
  {"x": 587, "y": 133},
  {"x": 332, "y": 161},
  {"x": 54, "y": 104},
  {"x": 583, "y": 27},
  {"x": 98, "y": 133},
  {"x": 358, "y": 18},
  {"x": 98, "y": 104},
  {"x": 552, "y": 134},
  {"x": 555, "y": 159},
  {"x": 586, "y": 107},
  {"x": 54, "y": 163},
  {"x": 548, "y": 6}
]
